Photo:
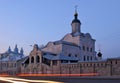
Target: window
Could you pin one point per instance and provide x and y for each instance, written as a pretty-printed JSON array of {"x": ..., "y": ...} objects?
[
  {"x": 84, "y": 58},
  {"x": 86, "y": 64},
  {"x": 116, "y": 62},
  {"x": 87, "y": 58},
  {"x": 64, "y": 61},
  {"x": 87, "y": 48},
  {"x": 37, "y": 59},
  {"x": 69, "y": 55},
  {"x": 101, "y": 64},
  {"x": 111, "y": 62},
  {"x": 73, "y": 61},
  {"x": 90, "y": 64},
  {"x": 32, "y": 60},
  {"x": 83, "y": 48},
  {"x": 91, "y": 49},
  {"x": 98, "y": 64},
  {"x": 91, "y": 58},
  {"x": 75, "y": 55}
]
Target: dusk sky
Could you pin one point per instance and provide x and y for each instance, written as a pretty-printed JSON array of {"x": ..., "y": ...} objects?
[{"x": 26, "y": 22}]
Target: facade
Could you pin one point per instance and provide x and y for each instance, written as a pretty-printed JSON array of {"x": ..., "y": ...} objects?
[
  {"x": 10, "y": 61},
  {"x": 73, "y": 54}
]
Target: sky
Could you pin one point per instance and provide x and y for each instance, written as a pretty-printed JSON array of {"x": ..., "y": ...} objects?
[{"x": 29, "y": 22}]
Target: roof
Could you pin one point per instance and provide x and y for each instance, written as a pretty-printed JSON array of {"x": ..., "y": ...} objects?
[
  {"x": 114, "y": 58},
  {"x": 11, "y": 56},
  {"x": 24, "y": 59},
  {"x": 59, "y": 57},
  {"x": 65, "y": 42}
]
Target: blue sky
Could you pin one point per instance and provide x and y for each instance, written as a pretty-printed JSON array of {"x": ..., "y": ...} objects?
[{"x": 26, "y": 22}]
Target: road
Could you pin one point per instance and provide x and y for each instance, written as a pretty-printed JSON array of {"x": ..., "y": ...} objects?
[{"x": 39, "y": 79}]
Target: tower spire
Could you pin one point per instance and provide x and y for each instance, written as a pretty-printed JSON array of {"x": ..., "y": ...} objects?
[
  {"x": 16, "y": 49},
  {"x": 21, "y": 51},
  {"x": 9, "y": 50}
]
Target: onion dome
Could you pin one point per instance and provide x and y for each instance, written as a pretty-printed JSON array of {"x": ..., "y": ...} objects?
[
  {"x": 99, "y": 54},
  {"x": 76, "y": 20}
]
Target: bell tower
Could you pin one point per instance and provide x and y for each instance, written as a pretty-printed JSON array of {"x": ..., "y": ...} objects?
[{"x": 76, "y": 24}]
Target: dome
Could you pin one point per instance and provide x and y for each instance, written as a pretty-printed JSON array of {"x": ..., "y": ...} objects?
[
  {"x": 75, "y": 20},
  {"x": 99, "y": 54}
]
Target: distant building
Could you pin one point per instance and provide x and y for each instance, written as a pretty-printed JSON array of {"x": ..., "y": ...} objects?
[
  {"x": 10, "y": 61},
  {"x": 73, "y": 54}
]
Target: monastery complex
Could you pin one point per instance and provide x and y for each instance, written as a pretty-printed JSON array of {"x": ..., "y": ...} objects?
[{"x": 73, "y": 54}]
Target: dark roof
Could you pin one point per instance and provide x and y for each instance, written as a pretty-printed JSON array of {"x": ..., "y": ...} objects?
[{"x": 25, "y": 59}]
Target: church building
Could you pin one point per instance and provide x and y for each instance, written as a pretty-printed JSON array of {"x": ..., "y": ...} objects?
[
  {"x": 10, "y": 61},
  {"x": 73, "y": 54}
]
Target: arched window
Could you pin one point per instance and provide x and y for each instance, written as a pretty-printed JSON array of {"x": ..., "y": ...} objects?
[
  {"x": 37, "y": 59},
  {"x": 32, "y": 59}
]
